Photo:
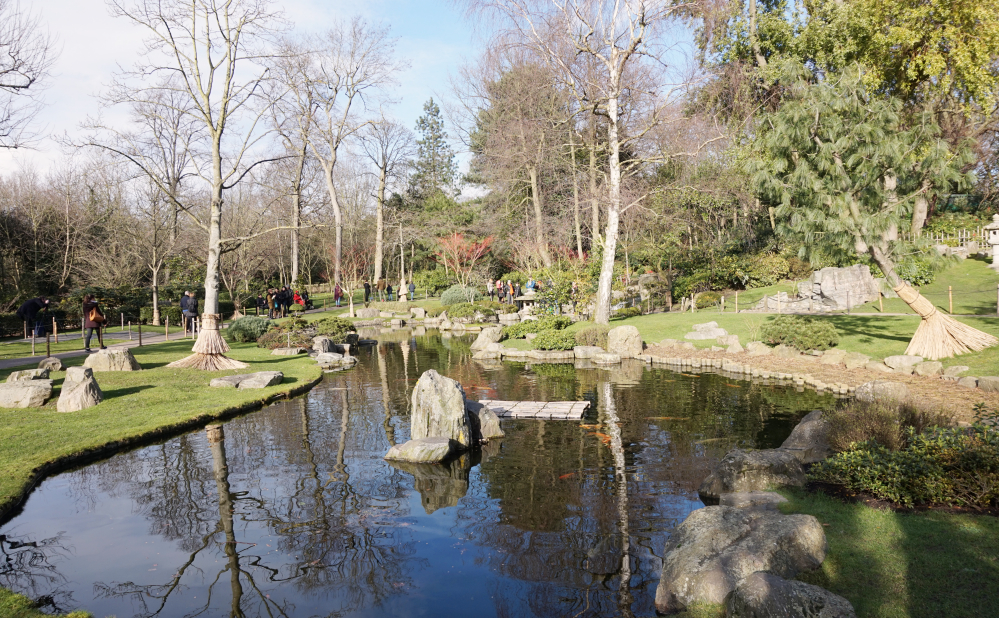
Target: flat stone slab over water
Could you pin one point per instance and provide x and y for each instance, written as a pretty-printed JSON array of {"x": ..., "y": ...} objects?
[{"x": 548, "y": 410}]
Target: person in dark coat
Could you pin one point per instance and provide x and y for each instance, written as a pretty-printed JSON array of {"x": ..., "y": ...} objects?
[
  {"x": 261, "y": 304},
  {"x": 90, "y": 325},
  {"x": 367, "y": 292},
  {"x": 29, "y": 310}
]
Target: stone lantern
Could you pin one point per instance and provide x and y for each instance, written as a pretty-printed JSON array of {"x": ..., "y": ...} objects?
[{"x": 993, "y": 239}]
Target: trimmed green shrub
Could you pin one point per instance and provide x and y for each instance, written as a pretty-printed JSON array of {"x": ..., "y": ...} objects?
[
  {"x": 433, "y": 281},
  {"x": 548, "y": 322},
  {"x": 708, "y": 299},
  {"x": 248, "y": 329},
  {"x": 295, "y": 308},
  {"x": 458, "y": 294},
  {"x": 801, "y": 332},
  {"x": 955, "y": 467},
  {"x": 433, "y": 312},
  {"x": 461, "y": 310},
  {"x": 628, "y": 312},
  {"x": 554, "y": 340},
  {"x": 335, "y": 328},
  {"x": 593, "y": 335}
]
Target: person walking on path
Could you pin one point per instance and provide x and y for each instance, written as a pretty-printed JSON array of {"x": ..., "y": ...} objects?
[
  {"x": 412, "y": 291},
  {"x": 28, "y": 312},
  {"x": 337, "y": 293},
  {"x": 270, "y": 303},
  {"x": 185, "y": 310},
  {"x": 367, "y": 292},
  {"x": 381, "y": 289},
  {"x": 509, "y": 290},
  {"x": 93, "y": 319},
  {"x": 388, "y": 292},
  {"x": 261, "y": 304}
]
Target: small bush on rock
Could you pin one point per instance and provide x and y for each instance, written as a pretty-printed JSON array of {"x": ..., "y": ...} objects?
[
  {"x": 800, "y": 332},
  {"x": 336, "y": 329},
  {"x": 459, "y": 294},
  {"x": 554, "y": 340},
  {"x": 595, "y": 335},
  {"x": 248, "y": 329}
]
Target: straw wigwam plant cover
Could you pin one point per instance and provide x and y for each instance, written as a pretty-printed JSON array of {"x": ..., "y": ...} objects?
[
  {"x": 210, "y": 348},
  {"x": 846, "y": 169}
]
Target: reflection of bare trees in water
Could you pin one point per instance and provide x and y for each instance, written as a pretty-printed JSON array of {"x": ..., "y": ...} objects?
[{"x": 30, "y": 567}]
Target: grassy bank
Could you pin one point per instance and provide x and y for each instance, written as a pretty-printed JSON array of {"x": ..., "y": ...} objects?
[
  {"x": 14, "y": 605},
  {"x": 138, "y": 406},
  {"x": 905, "y": 565}
]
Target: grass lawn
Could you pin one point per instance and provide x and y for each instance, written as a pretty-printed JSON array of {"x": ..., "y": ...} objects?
[
  {"x": 905, "y": 565},
  {"x": 14, "y": 605},
  {"x": 18, "y": 347},
  {"x": 135, "y": 404},
  {"x": 974, "y": 287}
]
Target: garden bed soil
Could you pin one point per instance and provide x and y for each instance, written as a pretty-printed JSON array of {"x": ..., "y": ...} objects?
[{"x": 926, "y": 391}]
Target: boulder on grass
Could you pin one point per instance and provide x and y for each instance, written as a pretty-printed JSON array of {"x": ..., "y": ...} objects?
[
  {"x": 367, "y": 313},
  {"x": 418, "y": 313},
  {"x": 928, "y": 368},
  {"x": 767, "y": 500},
  {"x": 952, "y": 371},
  {"x": 423, "y": 450},
  {"x": 25, "y": 394},
  {"x": 28, "y": 374},
  {"x": 76, "y": 375},
  {"x": 717, "y": 547},
  {"x": 856, "y": 360},
  {"x": 706, "y": 331},
  {"x": 758, "y": 348},
  {"x": 329, "y": 358},
  {"x": 288, "y": 351},
  {"x": 765, "y": 595},
  {"x": 809, "y": 440},
  {"x": 625, "y": 341},
  {"x": 488, "y": 335},
  {"x": 80, "y": 393},
  {"x": 903, "y": 362},
  {"x": 438, "y": 410},
  {"x": 743, "y": 470},
  {"x": 260, "y": 379},
  {"x": 117, "y": 359},
  {"x": 51, "y": 363}
]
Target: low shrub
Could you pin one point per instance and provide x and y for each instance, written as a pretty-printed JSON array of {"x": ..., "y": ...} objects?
[
  {"x": 548, "y": 322},
  {"x": 707, "y": 299},
  {"x": 433, "y": 312},
  {"x": 801, "y": 332},
  {"x": 278, "y": 338},
  {"x": 595, "y": 335},
  {"x": 433, "y": 281},
  {"x": 954, "y": 467},
  {"x": 461, "y": 310},
  {"x": 335, "y": 328},
  {"x": 554, "y": 340},
  {"x": 460, "y": 294},
  {"x": 295, "y": 308},
  {"x": 247, "y": 329},
  {"x": 886, "y": 423},
  {"x": 628, "y": 312}
]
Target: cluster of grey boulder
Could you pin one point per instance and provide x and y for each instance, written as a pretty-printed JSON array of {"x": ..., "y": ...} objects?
[
  {"x": 32, "y": 388},
  {"x": 443, "y": 423},
  {"x": 330, "y": 356},
  {"x": 742, "y": 551},
  {"x": 829, "y": 289},
  {"x": 622, "y": 342}
]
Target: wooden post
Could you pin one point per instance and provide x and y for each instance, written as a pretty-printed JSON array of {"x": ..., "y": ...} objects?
[
  {"x": 25, "y": 329},
  {"x": 48, "y": 349},
  {"x": 848, "y": 302},
  {"x": 166, "y": 330},
  {"x": 140, "y": 333},
  {"x": 32, "y": 342},
  {"x": 722, "y": 305},
  {"x": 950, "y": 298},
  {"x": 693, "y": 304},
  {"x": 122, "y": 322},
  {"x": 881, "y": 305},
  {"x": 130, "y": 330},
  {"x": 55, "y": 329}
]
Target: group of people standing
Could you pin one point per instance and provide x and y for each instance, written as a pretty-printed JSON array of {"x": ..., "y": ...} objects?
[
  {"x": 506, "y": 292},
  {"x": 385, "y": 292},
  {"x": 279, "y": 302}
]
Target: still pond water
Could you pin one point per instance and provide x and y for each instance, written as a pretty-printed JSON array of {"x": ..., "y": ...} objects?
[{"x": 295, "y": 513}]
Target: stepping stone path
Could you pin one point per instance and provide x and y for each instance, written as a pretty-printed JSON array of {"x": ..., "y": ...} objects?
[{"x": 553, "y": 410}]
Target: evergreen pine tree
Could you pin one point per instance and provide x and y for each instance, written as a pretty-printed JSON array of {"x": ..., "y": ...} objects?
[{"x": 435, "y": 170}]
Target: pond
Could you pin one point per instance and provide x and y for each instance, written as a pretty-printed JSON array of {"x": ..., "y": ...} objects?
[{"x": 292, "y": 510}]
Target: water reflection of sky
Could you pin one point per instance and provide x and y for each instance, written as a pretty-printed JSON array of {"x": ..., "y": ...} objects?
[{"x": 293, "y": 512}]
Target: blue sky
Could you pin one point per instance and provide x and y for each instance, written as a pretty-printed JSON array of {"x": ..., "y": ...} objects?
[{"x": 432, "y": 36}]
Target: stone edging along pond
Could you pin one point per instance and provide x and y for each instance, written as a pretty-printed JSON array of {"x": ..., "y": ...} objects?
[{"x": 91, "y": 454}]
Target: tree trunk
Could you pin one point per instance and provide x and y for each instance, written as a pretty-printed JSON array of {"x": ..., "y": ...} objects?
[
  {"x": 220, "y": 469},
  {"x": 539, "y": 221},
  {"x": 575, "y": 197},
  {"x": 156, "y": 296},
  {"x": 606, "y": 281},
  {"x": 380, "y": 225},
  {"x": 920, "y": 209},
  {"x": 938, "y": 335},
  {"x": 761, "y": 60},
  {"x": 594, "y": 202}
]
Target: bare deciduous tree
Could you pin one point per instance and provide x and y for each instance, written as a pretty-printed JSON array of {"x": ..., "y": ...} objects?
[{"x": 26, "y": 55}]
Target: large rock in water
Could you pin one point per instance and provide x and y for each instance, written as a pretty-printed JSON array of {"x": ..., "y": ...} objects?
[
  {"x": 25, "y": 394},
  {"x": 323, "y": 345},
  {"x": 809, "y": 440},
  {"x": 485, "y": 423},
  {"x": 717, "y": 547},
  {"x": 764, "y": 595},
  {"x": 625, "y": 341},
  {"x": 752, "y": 471},
  {"x": 117, "y": 359},
  {"x": 438, "y": 410},
  {"x": 422, "y": 450},
  {"x": 440, "y": 485},
  {"x": 79, "y": 391},
  {"x": 489, "y": 334}
]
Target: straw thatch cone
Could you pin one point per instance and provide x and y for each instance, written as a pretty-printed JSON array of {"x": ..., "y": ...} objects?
[
  {"x": 939, "y": 335},
  {"x": 209, "y": 349}
]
